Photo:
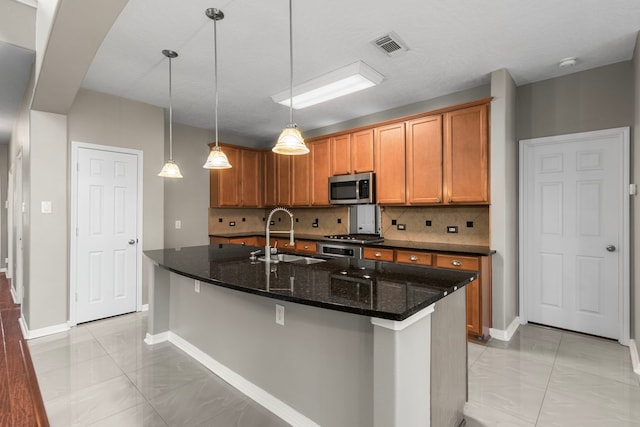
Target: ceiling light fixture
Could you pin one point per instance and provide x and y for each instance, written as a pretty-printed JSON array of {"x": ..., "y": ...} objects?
[
  {"x": 290, "y": 141},
  {"x": 343, "y": 81},
  {"x": 216, "y": 159},
  {"x": 170, "y": 169}
]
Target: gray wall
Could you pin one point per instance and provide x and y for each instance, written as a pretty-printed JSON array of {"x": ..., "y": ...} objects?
[
  {"x": 600, "y": 98},
  {"x": 635, "y": 202},
  {"x": 504, "y": 200},
  {"x": 187, "y": 199}
]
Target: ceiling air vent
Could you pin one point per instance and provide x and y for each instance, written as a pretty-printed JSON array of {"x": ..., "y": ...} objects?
[{"x": 390, "y": 44}]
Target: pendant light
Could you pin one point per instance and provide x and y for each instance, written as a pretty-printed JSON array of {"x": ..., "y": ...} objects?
[
  {"x": 217, "y": 159},
  {"x": 170, "y": 169},
  {"x": 290, "y": 141}
]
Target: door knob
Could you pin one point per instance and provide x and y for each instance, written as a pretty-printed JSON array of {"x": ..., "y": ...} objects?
[
  {"x": 132, "y": 242},
  {"x": 611, "y": 248}
]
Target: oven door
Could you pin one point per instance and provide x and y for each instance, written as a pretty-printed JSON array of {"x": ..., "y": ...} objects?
[{"x": 339, "y": 250}]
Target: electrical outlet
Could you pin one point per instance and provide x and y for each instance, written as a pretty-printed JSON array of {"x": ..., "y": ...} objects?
[
  {"x": 280, "y": 314},
  {"x": 45, "y": 207},
  {"x": 232, "y": 223},
  {"x": 272, "y": 222},
  {"x": 197, "y": 286},
  {"x": 178, "y": 224},
  {"x": 402, "y": 226},
  {"x": 314, "y": 225},
  {"x": 452, "y": 228}
]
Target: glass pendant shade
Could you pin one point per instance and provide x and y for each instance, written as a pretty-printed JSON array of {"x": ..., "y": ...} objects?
[
  {"x": 290, "y": 142},
  {"x": 217, "y": 160},
  {"x": 170, "y": 170}
]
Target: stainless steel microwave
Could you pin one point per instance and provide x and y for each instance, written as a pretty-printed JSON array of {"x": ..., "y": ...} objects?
[{"x": 352, "y": 189}]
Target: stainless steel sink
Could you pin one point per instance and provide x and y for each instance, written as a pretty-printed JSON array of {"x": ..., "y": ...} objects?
[{"x": 296, "y": 259}]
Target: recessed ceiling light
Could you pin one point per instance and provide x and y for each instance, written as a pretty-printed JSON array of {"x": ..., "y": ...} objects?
[{"x": 568, "y": 62}]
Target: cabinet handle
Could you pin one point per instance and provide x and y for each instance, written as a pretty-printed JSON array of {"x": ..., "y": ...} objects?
[
  {"x": 306, "y": 246},
  {"x": 378, "y": 254},
  {"x": 456, "y": 263},
  {"x": 413, "y": 258}
]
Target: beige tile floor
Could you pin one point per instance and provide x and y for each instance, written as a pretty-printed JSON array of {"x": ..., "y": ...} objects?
[
  {"x": 545, "y": 377},
  {"x": 103, "y": 374}
]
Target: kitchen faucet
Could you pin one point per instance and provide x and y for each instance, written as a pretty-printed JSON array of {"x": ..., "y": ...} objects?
[{"x": 267, "y": 248}]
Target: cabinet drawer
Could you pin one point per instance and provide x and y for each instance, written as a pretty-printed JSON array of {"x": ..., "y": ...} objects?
[
  {"x": 249, "y": 241},
  {"x": 458, "y": 262},
  {"x": 378, "y": 254},
  {"x": 306, "y": 246},
  {"x": 413, "y": 257}
]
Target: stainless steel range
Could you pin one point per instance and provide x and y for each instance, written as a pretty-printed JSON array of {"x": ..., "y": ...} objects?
[{"x": 364, "y": 227}]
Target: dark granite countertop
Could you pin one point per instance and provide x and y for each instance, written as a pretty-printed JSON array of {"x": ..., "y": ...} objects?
[
  {"x": 393, "y": 244},
  {"x": 370, "y": 288}
]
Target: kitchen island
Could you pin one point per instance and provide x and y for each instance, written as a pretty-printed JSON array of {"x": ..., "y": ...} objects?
[{"x": 358, "y": 339}]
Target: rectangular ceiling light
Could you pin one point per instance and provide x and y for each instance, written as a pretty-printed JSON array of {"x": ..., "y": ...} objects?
[{"x": 343, "y": 81}]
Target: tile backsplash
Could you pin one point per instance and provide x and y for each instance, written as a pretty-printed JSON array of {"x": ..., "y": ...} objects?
[
  {"x": 429, "y": 224},
  {"x": 472, "y": 222}
]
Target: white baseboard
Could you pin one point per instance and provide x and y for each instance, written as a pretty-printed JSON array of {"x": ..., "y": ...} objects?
[
  {"x": 14, "y": 297},
  {"x": 272, "y": 403},
  {"x": 144, "y": 307},
  {"x": 42, "y": 332},
  {"x": 157, "y": 338},
  {"x": 635, "y": 358},
  {"x": 505, "y": 335},
  {"x": 3, "y": 270}
]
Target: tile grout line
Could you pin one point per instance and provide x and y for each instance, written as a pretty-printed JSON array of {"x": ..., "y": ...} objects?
[{"x": 546, "y": 389}]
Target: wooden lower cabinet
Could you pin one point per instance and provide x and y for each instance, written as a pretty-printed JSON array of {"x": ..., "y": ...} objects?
[
  {"x": 245, "y": 241},
  {"x": 378, "y": 254},
  {"x": 478, "y": 291},
  {"x": 413, "y": 257},
  {"x": 306, "y": 246}
]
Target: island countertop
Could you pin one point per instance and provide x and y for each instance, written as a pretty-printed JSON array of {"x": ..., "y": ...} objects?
[{"x": 371, "y": 288}]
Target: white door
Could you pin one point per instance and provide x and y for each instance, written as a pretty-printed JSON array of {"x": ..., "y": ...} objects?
[
  {"x": 106, "y": 258},
  {"x": 18, "y": 224},
  {"x": 574, "y": 240}
]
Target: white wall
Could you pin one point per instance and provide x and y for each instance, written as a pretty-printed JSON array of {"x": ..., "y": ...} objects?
[
  {"x": 635, "y": 201},
  {"x": 17, "y": 24}
]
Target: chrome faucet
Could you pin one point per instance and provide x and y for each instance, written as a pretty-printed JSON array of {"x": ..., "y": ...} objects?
[{"x": 267, "y": 248}]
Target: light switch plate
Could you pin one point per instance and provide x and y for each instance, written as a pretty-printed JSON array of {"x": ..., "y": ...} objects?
[{"x": 45, "y": 207}]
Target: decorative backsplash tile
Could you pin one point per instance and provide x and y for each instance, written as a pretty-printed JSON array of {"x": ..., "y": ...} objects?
[{"x": 430, "y": 224}]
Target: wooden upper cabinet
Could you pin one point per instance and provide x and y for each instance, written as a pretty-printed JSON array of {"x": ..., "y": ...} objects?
[
  {"x": 341, "y": 155},
  {"x": 270, "y": 178},
  {"x": 301, "y": 180},
  {"x": 362, "y": 151},
  {"x": 251, "y": 177},
  {"x": 466, "y": 156},
  {"x": 424, "y": 160},
  {"x": 390, "y": 164},
  {"x": 224, "y": 190},
  {"x": 283, "y": 181},
  {"x": 321, "y": 170}
]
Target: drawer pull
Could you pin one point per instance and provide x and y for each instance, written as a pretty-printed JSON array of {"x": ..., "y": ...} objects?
[
  {"x": 378, "y": 254},
  {"x": 413, "y": 258},
  {"x": 306, "y": 246},
  {"x": 456, "y": 263}
]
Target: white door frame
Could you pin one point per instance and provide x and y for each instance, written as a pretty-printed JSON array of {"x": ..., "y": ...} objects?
[
  {"x": 624, "y": 319},
  {"x": 75, "y": 146}
]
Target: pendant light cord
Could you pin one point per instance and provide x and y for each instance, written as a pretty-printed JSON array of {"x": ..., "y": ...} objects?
[
  {"x": 290, "y": 64},
  {"x": 170, "y": 117},
  {"x": 215, "y": 73}
]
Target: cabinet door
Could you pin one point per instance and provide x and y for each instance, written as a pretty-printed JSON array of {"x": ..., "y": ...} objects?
[
  {"x": 390, "y": 164},
  {"x": 466, "y": 156},
  {"x": 301, "y": 180},
  {"x": 270, "y": 180},
  {"x": 251, "y": 173},
  {"x": 224, "y": 188},
  {"x": 284, "y": 180},
  {"x": 362, "y": 151},
  {"x": 424, "y": 160},
  {"x": 321, "y": 170},
  {"x": 341, "y": 155}
]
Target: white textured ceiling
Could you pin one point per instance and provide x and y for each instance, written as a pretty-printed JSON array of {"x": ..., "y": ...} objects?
[{"x": 454, "y": 45}]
